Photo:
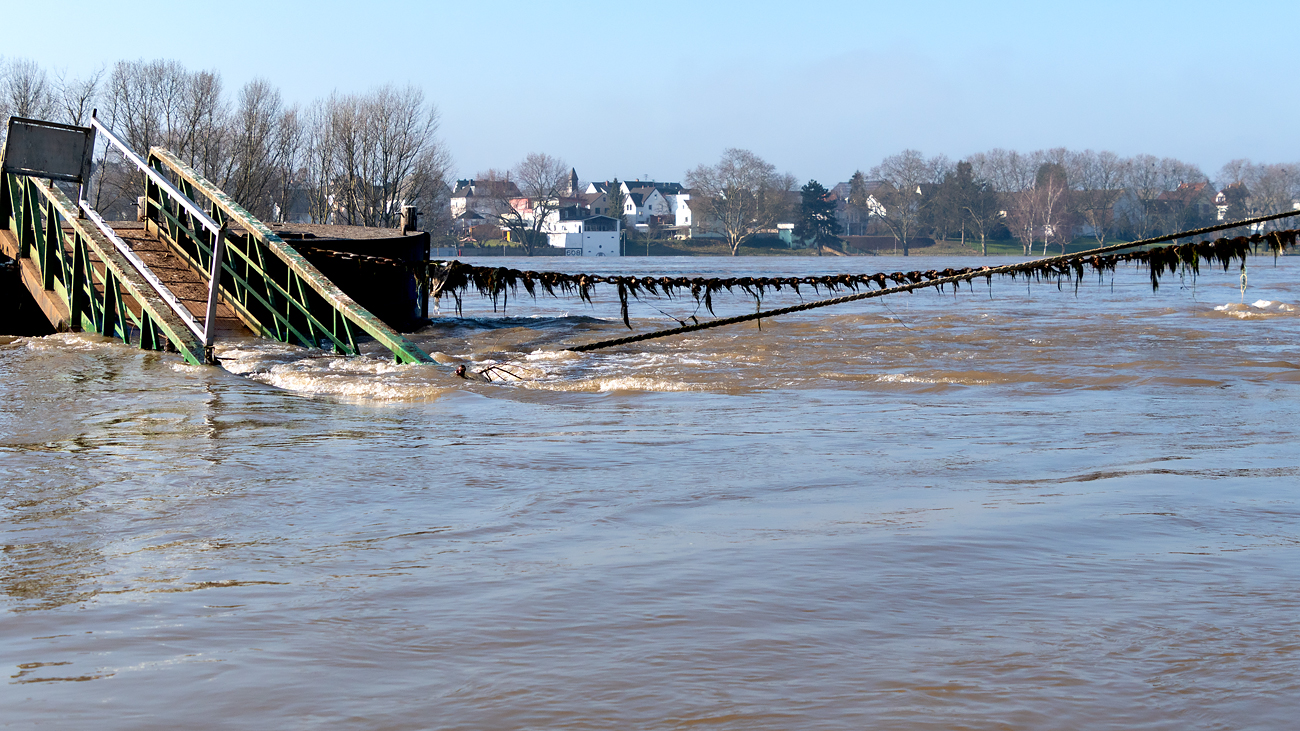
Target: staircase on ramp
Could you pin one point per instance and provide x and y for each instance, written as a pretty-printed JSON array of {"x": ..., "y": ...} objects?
[{"x": 198, "y": 268}]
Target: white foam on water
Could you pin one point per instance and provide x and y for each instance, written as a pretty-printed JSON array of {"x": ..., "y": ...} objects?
[
  {"x": 553, "y": 355},
  {"x": 613, "y": 384},
  {"x": 357, "y": 378},
  {"x": 75, "y": 341},
  {"x": 183, "y": 367},
  {"x": 967, "y": 379},
  {"x": 1258, "y": 308}
]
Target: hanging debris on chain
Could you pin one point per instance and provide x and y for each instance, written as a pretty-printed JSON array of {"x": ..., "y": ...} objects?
[{"x": 499, "y": 283}]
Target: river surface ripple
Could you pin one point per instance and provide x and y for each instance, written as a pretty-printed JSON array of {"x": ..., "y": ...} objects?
[{"x": 1016, "y": 507}]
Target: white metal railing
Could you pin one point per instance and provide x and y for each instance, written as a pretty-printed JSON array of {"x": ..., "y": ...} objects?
[
  {"x": 143, "y": 269},
  {"x": 206, "y": 333}
]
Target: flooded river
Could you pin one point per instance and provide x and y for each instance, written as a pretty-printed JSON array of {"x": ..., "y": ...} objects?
[{"x": 1016, "y": 507}]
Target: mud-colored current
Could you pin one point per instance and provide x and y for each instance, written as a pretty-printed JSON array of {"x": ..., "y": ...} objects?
[{"x": 1016, "y": 507}]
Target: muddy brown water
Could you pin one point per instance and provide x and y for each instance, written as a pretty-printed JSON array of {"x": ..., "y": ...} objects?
[{"x": 1028, "y": 508}]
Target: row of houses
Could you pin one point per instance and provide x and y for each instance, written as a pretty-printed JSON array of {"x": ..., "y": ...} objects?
[{"x": 581, "y": 220}]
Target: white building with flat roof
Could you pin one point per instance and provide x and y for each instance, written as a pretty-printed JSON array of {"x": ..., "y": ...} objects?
[{"x": 593, "y": 236}]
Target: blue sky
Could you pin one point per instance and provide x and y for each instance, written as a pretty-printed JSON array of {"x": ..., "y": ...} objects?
[{"x": 819, "y": 89}]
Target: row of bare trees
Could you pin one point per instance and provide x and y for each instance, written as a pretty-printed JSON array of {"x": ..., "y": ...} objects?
[
  {"x": 27, "y": 90},
  {"x": 741, "y": 195},
  {"x": 1044, "y": 197},
  {"x": 348, "y": 159},
  {"x": 1048, "y": 196}
]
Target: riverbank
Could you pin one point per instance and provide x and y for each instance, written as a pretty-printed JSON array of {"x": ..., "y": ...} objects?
[{"x": 774, "y": 247}]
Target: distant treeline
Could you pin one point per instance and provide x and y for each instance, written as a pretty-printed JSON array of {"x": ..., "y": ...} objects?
[{"x": 1051, "y": 196}]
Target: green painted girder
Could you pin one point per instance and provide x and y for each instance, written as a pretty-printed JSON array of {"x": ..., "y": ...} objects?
[
  {"x": 93, "y": 280},
  {"x": 283, "y": 294},
  {"x": 250, "y": 289}
]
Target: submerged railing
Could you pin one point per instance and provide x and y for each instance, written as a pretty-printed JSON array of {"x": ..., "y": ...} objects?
[
  {"x": 272, "y": 288},
  {"x": 207, "y": 332},
  {"x": 96, "y": 288}
]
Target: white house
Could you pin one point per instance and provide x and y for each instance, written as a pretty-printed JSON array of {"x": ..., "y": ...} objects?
[
  {"x": 592, "y": 236},
  {"x": 690, "y": 222},
  {"x": 680, "y": 205},
  {"x": 647, "y": 203},
  {"x": 642, "y": 203},
  {"x": 853, "y": 220}
]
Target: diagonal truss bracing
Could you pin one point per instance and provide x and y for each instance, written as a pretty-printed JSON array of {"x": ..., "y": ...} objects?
[{"x": 272, "y": 288}]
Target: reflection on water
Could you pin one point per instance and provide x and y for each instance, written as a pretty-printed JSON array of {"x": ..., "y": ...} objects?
[{"x": 1028, "y": 508}]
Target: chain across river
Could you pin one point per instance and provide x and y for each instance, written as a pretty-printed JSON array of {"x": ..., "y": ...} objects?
[{"x": 453, "y": 277}]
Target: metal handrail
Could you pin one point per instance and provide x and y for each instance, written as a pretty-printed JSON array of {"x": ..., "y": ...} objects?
[
  {"x": 144, "y": 270},
  {"x": 156, "y": 176},
  {"x": 86, "y": 278},
  {"x": 345, "y": 311},
  {"x": 218, "y": 230}
]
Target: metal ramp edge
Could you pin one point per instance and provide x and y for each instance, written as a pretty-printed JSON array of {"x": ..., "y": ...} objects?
[
  {"x": 343, "y": 312},
  {"x": 79, "y": 278}
]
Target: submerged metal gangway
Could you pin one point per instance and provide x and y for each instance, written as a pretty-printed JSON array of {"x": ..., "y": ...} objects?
[{"x": 85, "y": 277}]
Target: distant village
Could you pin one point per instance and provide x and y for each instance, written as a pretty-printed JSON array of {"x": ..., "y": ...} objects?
[{"x": 584, "y": 221}]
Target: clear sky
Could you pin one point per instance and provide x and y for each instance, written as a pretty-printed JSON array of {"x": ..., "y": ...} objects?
[{"x": 820, "y": 89}]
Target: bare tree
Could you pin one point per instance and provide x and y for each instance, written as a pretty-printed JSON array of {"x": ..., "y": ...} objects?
[
  {"x": 1006, "y": 170},
  {"x": 4, "y": 104},
  {"x": 1012, "y": 175},
  {"x": 1141, "y": 179},
  {"x": 26, "y": 90},
  {"x": 1053, "y": 193},
  {"x": 1270, "y": 188},
  {"x": 358, "y": 158},
  {"x": 148, "y": 104},
  {"x": 254, "y": 148},
  {"x": 527, "y": 198},
  {"x": 910, "y": 173},
  {"x": 1023, "y": 217},
  {"x": 972, "y": 201},
  {"x": 142, "y": 103},
  {"x": 739, "y": 196},
  {"x": 75, "y": 98},
  {"x": 291, "y": 152},
  {"x": 318, "y": 163},
  {"x": 204, "y": 139},
  {"x": 348, "y": 163},
  {"x": 409, "y": 165},
  {"x": 1233, "y": 171},
  {"x": 1098, "y": 175},
  {"x": 371, "y": 154}
]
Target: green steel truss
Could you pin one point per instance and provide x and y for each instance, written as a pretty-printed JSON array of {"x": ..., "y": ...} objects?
[
  {"x": 273, "y": 289},
  {"x": 84, "y": 273}
]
